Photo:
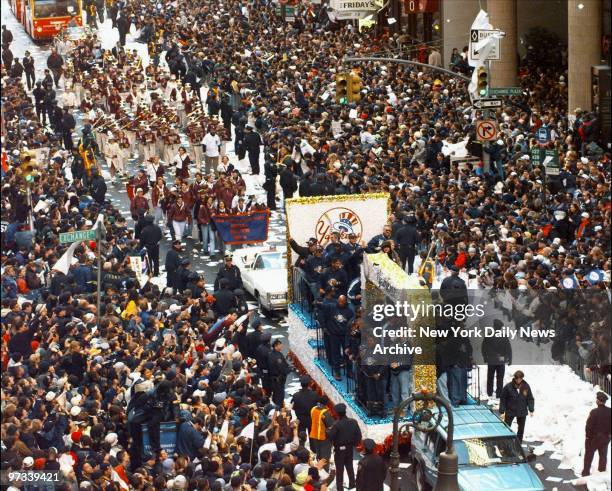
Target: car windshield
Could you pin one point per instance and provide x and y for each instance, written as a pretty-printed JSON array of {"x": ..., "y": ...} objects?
[
  {"x": 270, "y": 261},
  {"x": 55, "y": 8},
  {"x": 489, "y": 451}
]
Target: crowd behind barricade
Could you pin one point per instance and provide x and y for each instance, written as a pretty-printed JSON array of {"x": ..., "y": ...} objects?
[{"x": 75, "y": 393}]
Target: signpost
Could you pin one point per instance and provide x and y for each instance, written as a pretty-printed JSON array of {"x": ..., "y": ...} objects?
[
  {"x": 543, "y": 134},
  {"x": 505, "y": 91},
  {"x": 477, "y": 35},
  {"x": 486, "y": 130},
  {"x": 87, "y": 235},
  {"x": 487, "y": 103},
  {"x": 78, "y": 236},
  {"x": 548, "y": 158}
]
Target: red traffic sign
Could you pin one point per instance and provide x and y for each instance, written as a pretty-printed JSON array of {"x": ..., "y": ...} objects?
[{"x": 486, "y": 130}]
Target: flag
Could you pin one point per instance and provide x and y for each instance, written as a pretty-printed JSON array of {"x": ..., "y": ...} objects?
[
  {"x": 248, "y": 431},
  {"x": 224, "y": 429},
  {"x": 64, "y": 262},
  {"x": 99, "y": 224},
  {"x": 595, "y": 276},
  {"x": 120, "y": 477}
]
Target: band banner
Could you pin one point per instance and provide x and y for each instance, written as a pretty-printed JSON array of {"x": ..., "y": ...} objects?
[{"x": 245, "y": 228}]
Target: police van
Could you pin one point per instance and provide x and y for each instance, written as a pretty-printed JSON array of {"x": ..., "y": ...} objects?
[{"x": 489, "y": 454}]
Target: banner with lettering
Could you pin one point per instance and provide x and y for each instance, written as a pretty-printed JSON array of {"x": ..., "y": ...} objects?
[{"x": 244, "y": 228}]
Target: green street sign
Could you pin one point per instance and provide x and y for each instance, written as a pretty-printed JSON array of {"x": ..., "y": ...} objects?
[
  {"x": 78, "y": 236},
  {"x": 548, "y": 158},
  {"x": 507, "y": 91}
]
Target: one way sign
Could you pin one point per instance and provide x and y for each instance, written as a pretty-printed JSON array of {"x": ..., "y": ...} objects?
[
  {"x": 478, "y": 35},
  {"x": 487, "y": 103}
]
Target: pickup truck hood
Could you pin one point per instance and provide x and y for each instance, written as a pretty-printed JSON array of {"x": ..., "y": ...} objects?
[
  {"x": 270, "y": 280},
  {"x": 520, "y": 477}
]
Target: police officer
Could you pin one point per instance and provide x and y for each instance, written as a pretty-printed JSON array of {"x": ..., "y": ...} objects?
[
  {"x": 269, "y": 185},
  {"x": 597, "y": 435},
  {"x": 150, "y": 237},
  {"x": 252, "y": 143},
  {"x": 182, "y": 275},
  {"x": 279, "y": 369},
  {"x": 408, "y": 239},
  {"x": 231, "y": 273},
  {"x": 303, "y": 401},
  {"x": 371, "y": 470},
  {"x": 516, "y": 401},
  {"x": 262, "y": 353},
  {"x": 345, "y": 436},
  {"x": 225, "y": 299},
  {"x": 320, "y": 422}
]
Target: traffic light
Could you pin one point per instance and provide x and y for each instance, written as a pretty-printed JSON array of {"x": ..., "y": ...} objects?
[
  {"x": 483, "y": 82},
  {"x": 354, "y": 93},
  {"x": 342, "y": 88}
]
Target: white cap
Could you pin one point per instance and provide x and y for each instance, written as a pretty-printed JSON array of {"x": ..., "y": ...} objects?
[
  {"x": 75, "y": 410},
  {"x": 111, "y": 438},
  {"x": 28, "y": 462},
  {"x": 50, "y": 396}
]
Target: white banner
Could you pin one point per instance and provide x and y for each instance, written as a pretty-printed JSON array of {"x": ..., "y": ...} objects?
[
  {"x": 353, "y": 5},
  {"x": 363, "y": 215}
]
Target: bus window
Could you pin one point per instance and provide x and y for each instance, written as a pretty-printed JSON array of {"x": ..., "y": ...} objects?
[{"x": 55, "y": 8}]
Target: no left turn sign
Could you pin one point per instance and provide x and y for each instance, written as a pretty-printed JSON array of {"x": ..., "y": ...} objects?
[{"x": 486, "y": 130}]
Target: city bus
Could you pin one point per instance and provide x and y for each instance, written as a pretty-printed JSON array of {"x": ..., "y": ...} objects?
[
  {"x": 44, "y": 19},
  {"x": 17, "y": 8}
]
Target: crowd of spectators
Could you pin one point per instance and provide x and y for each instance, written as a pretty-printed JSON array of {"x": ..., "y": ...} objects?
[{"x": 70, "y": 383}]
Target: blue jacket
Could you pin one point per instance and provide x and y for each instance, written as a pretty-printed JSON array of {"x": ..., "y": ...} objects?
[{"x": 189, "y": 440}]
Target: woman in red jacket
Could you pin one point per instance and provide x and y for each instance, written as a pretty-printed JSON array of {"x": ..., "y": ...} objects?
[{"x": 179, "y": 216}]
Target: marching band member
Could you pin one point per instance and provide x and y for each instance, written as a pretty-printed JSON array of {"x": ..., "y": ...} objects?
[{"x": 182, "y": 161}]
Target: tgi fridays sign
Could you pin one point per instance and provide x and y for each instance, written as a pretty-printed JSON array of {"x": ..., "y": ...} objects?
[{"x": 352, "y": 9}]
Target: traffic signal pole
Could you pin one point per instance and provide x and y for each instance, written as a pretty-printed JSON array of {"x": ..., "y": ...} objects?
[{"x": 351, "y": 59}]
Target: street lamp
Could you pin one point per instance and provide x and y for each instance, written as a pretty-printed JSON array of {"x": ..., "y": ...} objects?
[{"x": 448, "y": 464}]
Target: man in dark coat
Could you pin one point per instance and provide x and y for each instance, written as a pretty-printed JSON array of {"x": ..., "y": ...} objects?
[
  {"x": 7, "y": 36},
  {"x": 190, "y": 439},
  {"x": 28, "y": 67},
  {"x": 55, "y": 63},
  {"x": 279, "y": 369},
  {"x": 516, "y": 401},
  {"x": 252, "y": 143},
  {"x": 68, "y": 125},
  {"x": 150, "y": 237},
  {"x": 123, "y": 26},
  {"x": 288, "y": 182},
  {"x": 303, "y": 402},
  {"x": 270, "y": 172},
  {"x": 98, "y": 188},
  {"x": 173, "y": 261},
  {"x": 496, "y": 352},
  {"x": 345, "y": 436},
  {"x": 371, "y": 470},
  {"x": 597, "y": 431},
  {"x": 408, "y": 240},
  {"x": 262, "y": 354}
]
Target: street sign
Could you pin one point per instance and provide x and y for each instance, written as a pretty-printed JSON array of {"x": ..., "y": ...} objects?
[
  {"x": 505, "y": 91},
  {"x": 477, "y": 35},
  {"x": 78, "y": 236},
  {"x": 548, "y": 158},
  {"x": 543, "y": 134},
  {"x": 487, "y": 103},
  {"x": 486, "y": 130}
]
